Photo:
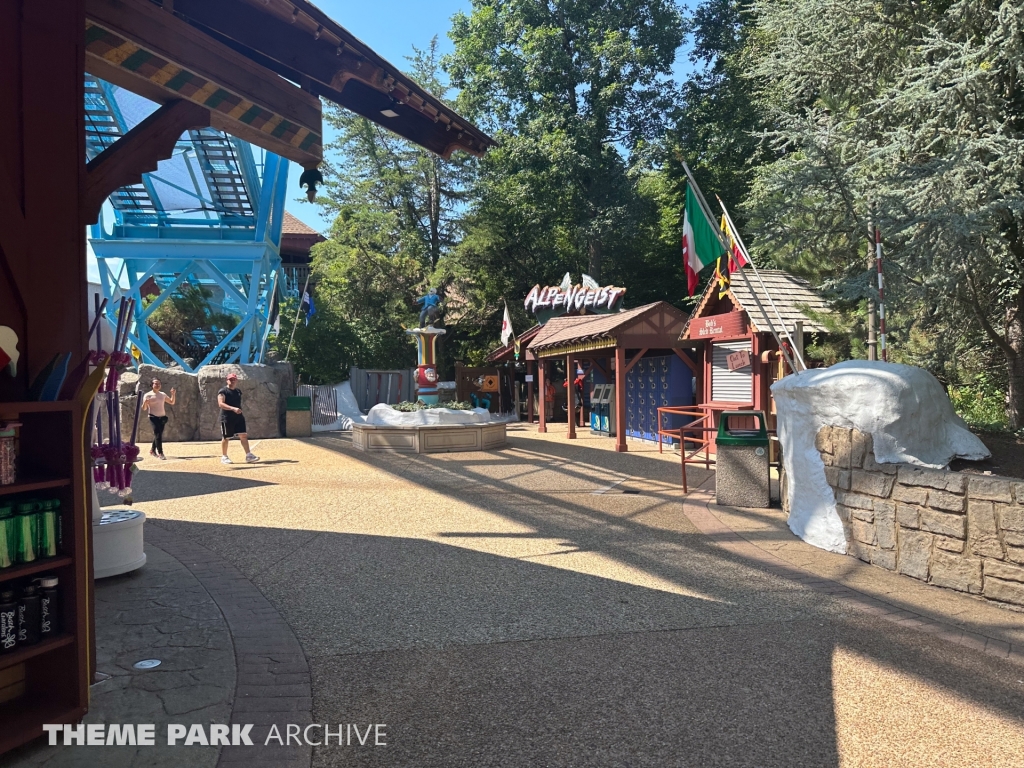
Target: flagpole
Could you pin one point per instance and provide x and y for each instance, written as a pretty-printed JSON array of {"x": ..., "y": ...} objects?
[
  {"x": 746, "y": 254},
  {"x": 298, "y": 311},
  {"x": 266, "y": 331},
  {"x": 706, "y": 210}
]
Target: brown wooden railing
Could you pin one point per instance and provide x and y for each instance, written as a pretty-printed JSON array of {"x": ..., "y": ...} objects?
[{"x": 698, "y": 430}]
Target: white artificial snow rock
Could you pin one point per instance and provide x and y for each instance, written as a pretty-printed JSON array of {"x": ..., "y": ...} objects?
[
  {"x": 385, "y": 416},
  {"x": 903, "y": 408}
]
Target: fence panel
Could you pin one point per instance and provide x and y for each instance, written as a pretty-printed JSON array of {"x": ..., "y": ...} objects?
[
  {"x": 373, "y": 387},
  {"x": 325, "y": 403}
]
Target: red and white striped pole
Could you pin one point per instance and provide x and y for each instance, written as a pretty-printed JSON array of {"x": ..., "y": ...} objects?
[{"x": 881, "y": 294}]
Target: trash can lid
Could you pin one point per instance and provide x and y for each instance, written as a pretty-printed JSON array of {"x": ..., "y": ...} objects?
[
  {"x": 300, "y": 404},
  {"x": 736, "y": 435}
]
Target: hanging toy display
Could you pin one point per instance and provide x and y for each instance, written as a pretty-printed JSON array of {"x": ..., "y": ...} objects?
[{"x": 113, "y": 460}]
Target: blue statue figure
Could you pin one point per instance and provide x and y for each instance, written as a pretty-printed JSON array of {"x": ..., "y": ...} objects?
[{"x": 431, "y": 307}]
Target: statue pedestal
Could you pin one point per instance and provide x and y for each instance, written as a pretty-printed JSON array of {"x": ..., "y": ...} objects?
[{"x": 426, "y": 362}]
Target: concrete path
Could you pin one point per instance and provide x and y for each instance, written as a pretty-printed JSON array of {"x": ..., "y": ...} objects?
[{"x": 557, "y": 604}]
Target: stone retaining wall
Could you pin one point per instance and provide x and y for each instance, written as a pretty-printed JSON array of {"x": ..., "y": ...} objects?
[{"x": 963, "y": 532}]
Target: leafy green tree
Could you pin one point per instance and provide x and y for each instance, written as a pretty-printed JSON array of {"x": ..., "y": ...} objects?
[
  {"x": 573, "y": 90},
  {"x": 397, "y": 212},
  {"x": 717, "y": 125},
  {"x": 371, "y": 170},
  {"x": 187, "y": 310}
]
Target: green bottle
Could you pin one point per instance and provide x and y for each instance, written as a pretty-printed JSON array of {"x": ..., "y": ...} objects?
[
  {"x": 28, "y": 531},
  {"x": 49, "y": 511},
  {"x": 8, "y": 536}
]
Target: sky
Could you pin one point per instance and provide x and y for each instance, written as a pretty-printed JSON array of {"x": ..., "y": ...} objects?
[{"x": 392, "y": 28}]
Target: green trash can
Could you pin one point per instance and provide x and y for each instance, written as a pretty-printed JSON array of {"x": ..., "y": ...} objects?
[
  {"x": 299, "y": 404},
  {"x": 742, "y": 477}
]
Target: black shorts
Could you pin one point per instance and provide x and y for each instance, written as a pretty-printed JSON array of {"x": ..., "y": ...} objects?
[{"x": 231, "y": 425}]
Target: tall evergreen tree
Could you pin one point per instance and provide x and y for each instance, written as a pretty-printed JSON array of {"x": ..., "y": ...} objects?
[
  {"x": 909, "y": 114},
  {"x": 397, "y": 212}
]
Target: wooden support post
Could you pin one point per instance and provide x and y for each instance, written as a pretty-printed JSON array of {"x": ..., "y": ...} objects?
[
  {"x": 757, "y": 372},
  {"x": 531, "y": 369},
  {"x": 620, "y": 400},
  {"x": 543, "y": 410},
  {"x": 570, "y": 396}
]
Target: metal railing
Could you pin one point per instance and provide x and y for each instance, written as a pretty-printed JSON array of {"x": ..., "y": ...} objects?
[
  {"x": 700, "y": 424},
  {"x": 703, "y": 422}
]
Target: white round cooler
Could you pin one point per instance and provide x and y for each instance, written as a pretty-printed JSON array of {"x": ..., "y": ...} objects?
[{"x": 117, "y": 542}]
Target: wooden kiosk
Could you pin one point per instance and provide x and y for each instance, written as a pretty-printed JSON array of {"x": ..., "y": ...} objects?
[
  {"x": 611, "y": 344},
  {"x": 505, "y": 356},
  {"x": 251, "y": 68},
  {"x": 732, "y": 336}
]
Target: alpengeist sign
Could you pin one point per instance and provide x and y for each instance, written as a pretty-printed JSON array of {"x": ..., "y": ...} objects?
[{"x": 588, "y": 297}]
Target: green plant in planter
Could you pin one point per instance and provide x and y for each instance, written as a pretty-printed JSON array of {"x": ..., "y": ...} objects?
[{"x": 454, "y": 406}]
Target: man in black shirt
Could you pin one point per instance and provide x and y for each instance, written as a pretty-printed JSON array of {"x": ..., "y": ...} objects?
[{"x": 232, "y": 422}]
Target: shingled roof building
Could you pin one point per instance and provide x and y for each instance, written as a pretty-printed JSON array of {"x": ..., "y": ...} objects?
[
  {"x": 741, "y": 321},
  {"x": 297, "y": 238}
]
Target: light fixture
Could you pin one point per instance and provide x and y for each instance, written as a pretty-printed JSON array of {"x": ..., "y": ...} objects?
[{"x": 389, "y": 113}]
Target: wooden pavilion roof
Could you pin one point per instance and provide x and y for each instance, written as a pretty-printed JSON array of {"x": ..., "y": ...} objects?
[
  {"x": 653, "y": 326},
  {"x": 508, "y": 350},
  {"x": 259, "y": 67}
]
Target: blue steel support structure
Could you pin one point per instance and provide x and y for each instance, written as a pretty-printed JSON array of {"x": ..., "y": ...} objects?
[{"x": 209, "y": 216}]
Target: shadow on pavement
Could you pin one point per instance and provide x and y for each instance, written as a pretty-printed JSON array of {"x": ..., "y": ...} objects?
[
  {"x": 163, "y": 485},
  {"x": 474, "y": 659}
]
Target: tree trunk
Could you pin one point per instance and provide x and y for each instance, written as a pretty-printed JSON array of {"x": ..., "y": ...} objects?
[
  {"x": 435, "y": 213},
  {"x": 594, "y": 268},
  {"x": 1015, "y": 367}
]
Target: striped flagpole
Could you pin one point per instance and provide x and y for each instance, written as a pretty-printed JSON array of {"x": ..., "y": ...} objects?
[{"x": 881, "y": 294}]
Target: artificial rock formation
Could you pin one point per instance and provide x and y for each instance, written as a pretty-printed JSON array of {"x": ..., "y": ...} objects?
[
  {"x": 265, "y": 389},
  {"x": 903, "y": 408},
  {"x": 182, "y": 417},
  {"x": 195, "y": 416}
]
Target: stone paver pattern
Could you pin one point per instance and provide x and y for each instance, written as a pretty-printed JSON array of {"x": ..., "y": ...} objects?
[{"x": 159, "y": 612}]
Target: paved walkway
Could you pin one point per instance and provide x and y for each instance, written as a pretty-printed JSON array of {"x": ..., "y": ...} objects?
[{"x": 557, "y": 604}]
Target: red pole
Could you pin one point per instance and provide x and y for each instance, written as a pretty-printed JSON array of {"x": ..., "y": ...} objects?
[
  {"x": 529, "y": 393},
  {"x": 881, "y": 294},
  {"x": 620, "y": 400},
  {"x": 542, "y": 425},
  {"x": 570, "y": 396}
]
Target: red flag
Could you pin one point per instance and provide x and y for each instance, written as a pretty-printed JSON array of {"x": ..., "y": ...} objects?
[{"x": 736, "y": 258}]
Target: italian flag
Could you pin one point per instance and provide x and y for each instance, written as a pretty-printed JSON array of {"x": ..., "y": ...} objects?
[{"x": 701, "y": 245}]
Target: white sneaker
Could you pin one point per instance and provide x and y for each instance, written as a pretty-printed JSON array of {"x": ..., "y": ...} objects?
[
  {"x": 225, "y": 460},
  {"x": 251, "y": 458}
]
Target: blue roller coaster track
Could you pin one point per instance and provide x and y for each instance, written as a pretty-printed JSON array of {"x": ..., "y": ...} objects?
[{"x": 209, "y": 217}]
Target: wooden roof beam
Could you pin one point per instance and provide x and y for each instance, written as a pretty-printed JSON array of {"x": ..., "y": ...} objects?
[
  {"x": 301, "y": 44},
  {"x": 137, "y": 152},
  {"x": 148, "y": 50}
]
